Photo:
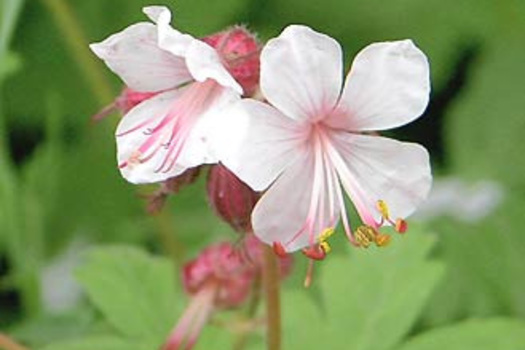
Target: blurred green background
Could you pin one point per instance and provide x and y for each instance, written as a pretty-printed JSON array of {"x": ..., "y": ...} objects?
[{"x": 456, "y": 281}]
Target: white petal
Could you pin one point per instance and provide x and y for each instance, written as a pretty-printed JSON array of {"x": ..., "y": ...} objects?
[
  {"x": 141, "y": 120},
  {"x": 202, "y": 60},
  {"x": 169, "y": 39},
  {"x": 197, "y": 150},
  {"x": 281, "y": 213},
  {"x": 256, "y": 142},
  {"x": 204, "y": 63},
  {"x": 378, "y": 168},
  {"x": 301, "y": 72},
  {"x": 388, "y": 86},
  {"x": 134, "y": 55},
  {"x": 149, "y": 153}
]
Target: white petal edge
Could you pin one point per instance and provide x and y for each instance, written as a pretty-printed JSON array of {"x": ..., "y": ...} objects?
[
  {"x": 378, "y": 168},
  {"x": 204, "y": 63},
  {"x": 281, "y": 213},
  {"x": 256, "y": 142},
  {"x": 202, "y": 60},
  {"x": 133, "y": 54},
  {"x": 169, "y": 39},
  {"x": 301, "y": 72},
  {"x": 388, "y": 86}
]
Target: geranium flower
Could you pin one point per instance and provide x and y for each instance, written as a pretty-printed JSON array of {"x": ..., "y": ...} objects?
[
  {"x": 166, "y": 134},
  {"x": 315, "y": 140}
]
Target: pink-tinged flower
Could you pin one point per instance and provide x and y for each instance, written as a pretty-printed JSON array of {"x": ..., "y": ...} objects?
[
  {"x": 221, "y": 277},
  {"x": 314, "y": 142},
  {"x": 168, "y": 133}
]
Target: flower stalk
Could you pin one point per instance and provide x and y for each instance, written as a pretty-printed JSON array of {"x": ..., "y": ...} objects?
[{"x": 271, "y": 285}]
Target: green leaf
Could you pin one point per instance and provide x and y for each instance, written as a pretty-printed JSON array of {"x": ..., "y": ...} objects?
[
  {"x": 487, "y": 278},
  {"x": 370, "y": 299},
  {"x": 9, "y": 11},
  {"x": 491, "y": 334},
  {"x": 9, "y": 64},
  {"x": 99, "y": 343},
  {"x": 134, "y": 291},
  {"x": 485, "y": 129},
  {"x": 48, "y": 328}
]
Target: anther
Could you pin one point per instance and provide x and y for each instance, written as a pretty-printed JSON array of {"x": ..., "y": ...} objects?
[
  {"x": 323, "y": 239},
  {"x": 315, "y": 252},
  {"x": 279, "y": 250},
  {"x": 383, "y": 209},
  {"x": 382, "y": 240},
  {"x": 365, "y": 235},
  {"x": 401, "y": 225}
]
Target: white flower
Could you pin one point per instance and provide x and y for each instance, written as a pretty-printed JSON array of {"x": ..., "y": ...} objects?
[
  {"x": 167, "y": 134},
  {"x": 312, "y": 144}
]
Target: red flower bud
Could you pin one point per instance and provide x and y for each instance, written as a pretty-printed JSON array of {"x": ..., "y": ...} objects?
[
  {"x": 239, "y": 49},
  {"x": 230, "y": 198}
]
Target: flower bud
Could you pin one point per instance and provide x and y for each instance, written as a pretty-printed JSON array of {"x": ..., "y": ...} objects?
[
  {"x": 239, "y": 50},
  {"x": 230, "y": 198},
  {"x": 222, "y": 276},
  {"x": 230, "y": 269},
  {"x": 127, "y": 99}
]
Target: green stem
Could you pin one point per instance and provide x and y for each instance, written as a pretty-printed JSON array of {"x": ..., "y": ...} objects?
[
  {"x": 271, "y": 280},
  {"x": 78, "y": 46}
]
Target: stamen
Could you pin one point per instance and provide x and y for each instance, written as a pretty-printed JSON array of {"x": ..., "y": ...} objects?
[
  {"x": 365, "y": 235},
  {"x": 327, "y": 232},
  {"x": 382, "y": 240},
  {"x": 315, "y": 252},
  {"x": 279, "y": 250},
  {"x": 323, "y": 239},
  {"x": 401, "y": 225},
  {"x": 383, "y": 209},
  {"x": 309, "y": 274}
]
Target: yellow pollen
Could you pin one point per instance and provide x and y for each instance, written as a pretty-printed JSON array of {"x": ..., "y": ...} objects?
[
  {"x": 382, "y": 240},
  {"x": 323, "y": 239},
  {"x": 325, "y": 247},
  {"x": 365, "y": 235},
  {"x": 383, "y": 209},
  {"x": 327, "y": 232}
]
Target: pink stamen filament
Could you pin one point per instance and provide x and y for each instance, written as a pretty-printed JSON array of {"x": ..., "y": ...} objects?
[
  {"x": 187, "y": 330},
  {"x": 184, "y": 114},
  {"x": 348, "y": 180},
  {"x": 334, "y": 179},
  {"x": 316, "y": 198}
]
